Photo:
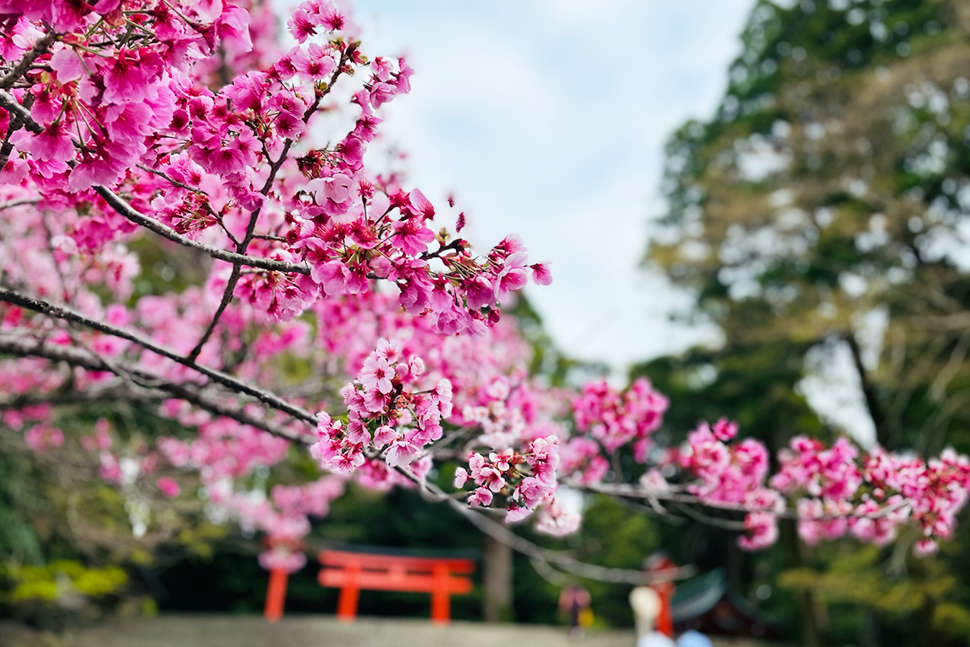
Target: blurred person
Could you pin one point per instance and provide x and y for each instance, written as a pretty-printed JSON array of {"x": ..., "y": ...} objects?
[
  {"x": 655, "y": 639},
  {"x": 574, "y": 601},
  {"x": 664, "y": 570},
  {"x": 691, "y": 638},
  {"x": 646, "y": 606}
]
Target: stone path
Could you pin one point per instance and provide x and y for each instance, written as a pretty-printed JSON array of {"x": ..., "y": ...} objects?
[{"x": 315, "y": 631}]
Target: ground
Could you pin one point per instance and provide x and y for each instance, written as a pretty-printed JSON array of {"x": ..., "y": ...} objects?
[{"x": 315, "y": 631}]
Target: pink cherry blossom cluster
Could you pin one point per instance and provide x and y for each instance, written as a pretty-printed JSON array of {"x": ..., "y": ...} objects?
[
  {"x": 216, "y": 166},
  {"x": 189, "y": 116},
  {"x": 734, "y": 474},
  {"x": 836, "y": 490},
  {"x": 525, "y": 481},
  {"x": 871, "y": 496},
  {"x": 616, "y": 418},
  {"x": 385, "y": 415},
  {"x": 106, "y": 93}
]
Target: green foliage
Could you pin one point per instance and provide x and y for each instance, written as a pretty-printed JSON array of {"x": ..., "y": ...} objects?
[
  {"x": 903, "y": 589},
  {"x": 853, "y": 578},
  {"x": 49, "y": 582},
  {"x": 18, "y": 504},
  {"x": 820, "y": 211},
  {"x": 617, "y": 536}
]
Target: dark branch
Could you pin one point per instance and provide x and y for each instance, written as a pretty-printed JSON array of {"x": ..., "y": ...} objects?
[
  {"x": 31, "y": 347},
  {"x": 122, "y": 207},
  {"x": 224, "y": 379},
  {"x": 869, "y": 392}
]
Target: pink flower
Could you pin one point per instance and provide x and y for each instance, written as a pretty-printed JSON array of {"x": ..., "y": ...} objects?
[
  {"x": 478, "y": 295},
  {"x": 517, "y": 514},
  {"x": 491, "y": 478},
  {"x": 480, "y": 497},
  {"x": 128, "y": 123},
  {"x": 381, "y": 93},
  {"x": 533, "y": 491},
  {"x": 511, "y": 277},
  {"x": 403, "y": 80},
  {"x": 925, "y": 547},
  {"x": 302, "y": 25},
  {"x": 725, "y": 430},
  {"x": 382, "y": 68},
  {"x": 225, "y": 160},
  {"x": 422, "y": 205},
  {"x": 411, "y": 236},
  {"x": 442, "y": 393},
  {"x": 331, "y": 192},
  {"x": 556, "y": 521},
  {"x": 53, "y": 143},
  {"x": 461, "y": 476},
  {"x": 389, "y": 350},
  {"x": 501, "y": 459},
  {"x": 762, "y": 531},
  {"x": 66, "y": 64},
  {"x": 168, "y": 487},
  {"x": 127, "y": 78},
  {"x": 42, "y": 437},
  {"x": 384, "y": 435},
  {"x": 400, "y": 454},
  {"x": 46, "y": 107},
  {"x": 377, "y": 374},
  {"x": 289, "y": 125},
  {"x": 541, "y": 274},
  {"x": 232, "y": 27},
  {"x": 314, "y": 63},
  {"x": 357, "y": 433},
  {"x": 102, "y": 166},
  {"x": 329, "y": 17},
  {"x": 475, "y": 463}
]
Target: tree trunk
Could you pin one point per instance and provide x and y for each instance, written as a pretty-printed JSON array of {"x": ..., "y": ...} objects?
[
  {"x": 498, "y": 581},
  {"x": 811, "y": 613}
]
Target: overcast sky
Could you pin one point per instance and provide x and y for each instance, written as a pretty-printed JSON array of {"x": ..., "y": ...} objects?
[{"x": 547, "y": 118}]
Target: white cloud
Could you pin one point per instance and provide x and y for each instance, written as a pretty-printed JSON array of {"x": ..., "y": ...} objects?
[{"x": 548, "y": 119}]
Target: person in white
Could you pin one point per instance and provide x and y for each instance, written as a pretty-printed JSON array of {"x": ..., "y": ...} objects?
[
  {"x": 693, "y": 639},
  {"x": 646, "y": 608}
]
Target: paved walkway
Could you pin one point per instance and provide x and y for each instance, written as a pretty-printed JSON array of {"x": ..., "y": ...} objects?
[{"x": 317, "y": 631}]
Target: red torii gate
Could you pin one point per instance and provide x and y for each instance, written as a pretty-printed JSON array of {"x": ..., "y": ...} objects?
[{"x": 351, "y": 572}]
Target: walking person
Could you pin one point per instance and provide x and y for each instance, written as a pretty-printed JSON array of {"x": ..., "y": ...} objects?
[{"x": 574, "y": 601}]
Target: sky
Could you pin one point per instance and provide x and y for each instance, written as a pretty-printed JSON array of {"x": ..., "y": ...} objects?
[{"x": 547, "y": 118}]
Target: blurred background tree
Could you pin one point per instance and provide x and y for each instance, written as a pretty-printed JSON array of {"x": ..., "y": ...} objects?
[{"x": 820, "y": 222}]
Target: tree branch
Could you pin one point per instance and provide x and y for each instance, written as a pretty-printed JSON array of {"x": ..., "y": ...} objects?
[
  {"x": 243, "y": 245},
  {"x": 868, "y": 391},
  {"x": 31, "y": 347},
  {"x": 122, "y": 207},
  {"x": 9, "y": 103},
  {"x": 224, "y": 379},
  {"x": 42, "y": 45}
]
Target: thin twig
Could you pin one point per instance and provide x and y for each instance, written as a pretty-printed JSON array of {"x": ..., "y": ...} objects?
[
  {"x": 32, "y": 347},
  {"x": 122, "y": 207}
]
